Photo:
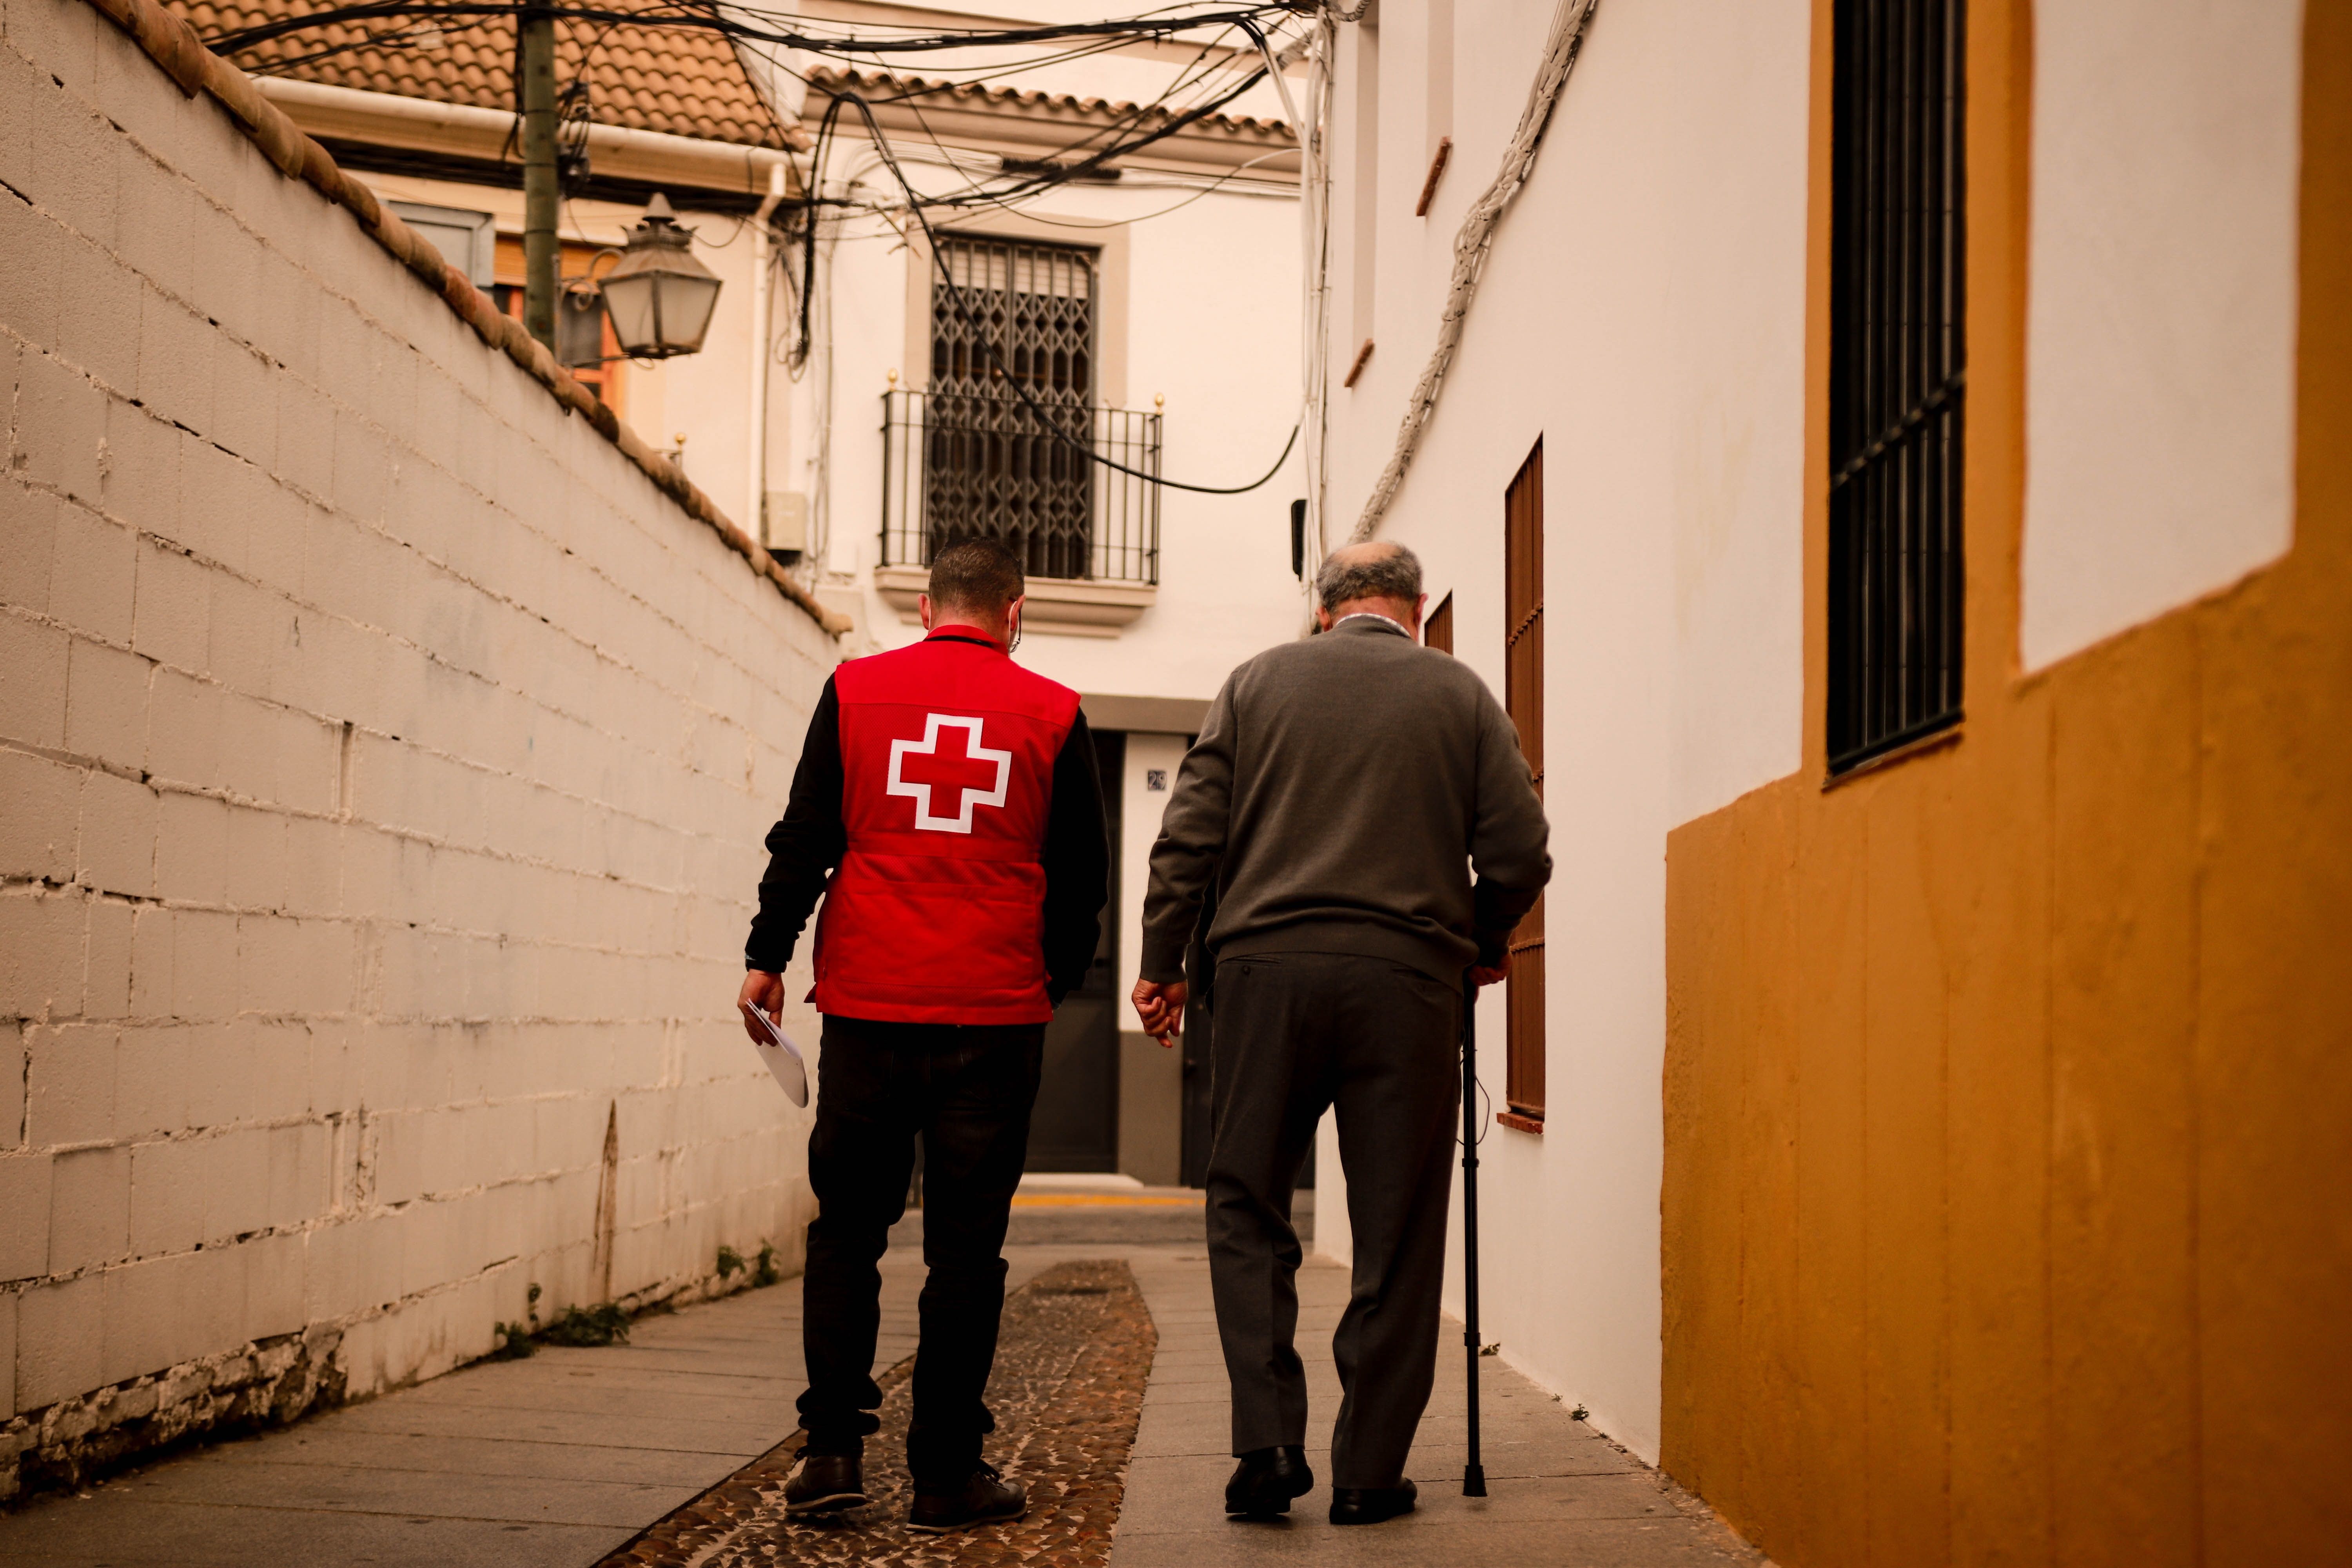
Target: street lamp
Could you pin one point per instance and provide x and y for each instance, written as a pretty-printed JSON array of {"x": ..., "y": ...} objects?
[{"x": 658, "y": 296}]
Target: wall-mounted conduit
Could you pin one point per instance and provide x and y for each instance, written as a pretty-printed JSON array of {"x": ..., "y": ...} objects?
[{"x": 1471, "y": 246}]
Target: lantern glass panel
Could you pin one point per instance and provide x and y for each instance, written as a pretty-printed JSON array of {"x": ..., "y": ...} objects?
[
  {"x": 687, "y": 304},
  {"x": 630, "y": 302}
]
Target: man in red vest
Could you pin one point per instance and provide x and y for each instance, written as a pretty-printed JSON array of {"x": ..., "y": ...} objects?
[{"x": 947, "y": 808}]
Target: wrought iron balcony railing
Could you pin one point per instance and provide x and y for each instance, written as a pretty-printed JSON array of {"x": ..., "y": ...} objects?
[{"x": 959, "y": 465}]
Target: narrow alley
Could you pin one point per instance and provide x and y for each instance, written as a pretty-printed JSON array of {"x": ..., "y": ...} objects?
[
  {"x": 1678, "y": 669},
  {"x": 626, "y": 1455}
]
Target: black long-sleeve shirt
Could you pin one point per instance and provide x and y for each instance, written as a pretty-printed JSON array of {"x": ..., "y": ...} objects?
[{"x": 807, "y": 843}]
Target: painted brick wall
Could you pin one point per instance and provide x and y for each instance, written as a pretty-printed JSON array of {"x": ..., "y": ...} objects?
[{"x": 382, "y": 767}]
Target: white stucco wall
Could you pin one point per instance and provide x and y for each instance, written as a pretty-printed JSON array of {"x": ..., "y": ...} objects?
[
  {"x": 383, "y": 763},
  {"x": 2161, "y": 323},
  {"x": 1642, "y": 314}
]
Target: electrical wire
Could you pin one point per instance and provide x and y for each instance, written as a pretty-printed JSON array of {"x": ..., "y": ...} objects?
[
  {"x": 915, "y": 202},
  {"x": 1046, "y": 421},
  {"x": 709, "y": 14},
  {"x": 994, "y": 198}
]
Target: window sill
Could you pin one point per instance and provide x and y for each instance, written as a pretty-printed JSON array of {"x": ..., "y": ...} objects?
[
  {"x": 1070, "y": 607},
  {"x": 1519, "y": 1123},
  {"x": 1949, "y": 735}
]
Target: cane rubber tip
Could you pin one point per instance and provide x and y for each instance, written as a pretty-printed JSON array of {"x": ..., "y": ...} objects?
[{"x": 1474, "y": 1480}]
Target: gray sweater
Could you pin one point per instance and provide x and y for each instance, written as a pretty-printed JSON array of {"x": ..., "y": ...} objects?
[{"x": 1341, "y": 793}]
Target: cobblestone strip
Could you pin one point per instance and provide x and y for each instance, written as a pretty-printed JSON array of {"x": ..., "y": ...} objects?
[{"x": 1071, "y": 1362}]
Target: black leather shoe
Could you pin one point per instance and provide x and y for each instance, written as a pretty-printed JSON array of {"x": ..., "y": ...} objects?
[
  {"x": 1370, "y": 1505},
  {"x": 1266, "y": 1479},
  {"x": 986, "y": 1498},
  {"x": 824, "y": 1483}
]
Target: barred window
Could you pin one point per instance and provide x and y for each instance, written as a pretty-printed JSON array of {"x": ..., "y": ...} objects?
[
  {"x": 1020, "y": 312},
  {"x": 1896, "y": 376}
]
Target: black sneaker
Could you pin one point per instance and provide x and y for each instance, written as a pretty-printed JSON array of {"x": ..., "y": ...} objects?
[
  {"x": 1370, "y": 1505},
  {"x": 985, "y": 1498},
  {"x": 824, "y": 1483},
  {"x": 1266, "y": 1480}
]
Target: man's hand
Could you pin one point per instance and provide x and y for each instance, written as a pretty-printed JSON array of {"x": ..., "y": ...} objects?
[
  {"x": 763, "y": 991},
  {"x": 1162, "y": 1008},
  {"x": 1484, "y": 977}
]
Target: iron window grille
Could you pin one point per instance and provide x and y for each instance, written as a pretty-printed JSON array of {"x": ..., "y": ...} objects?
[
  {"x": 1896, "y": 376},
  {"x": 970, "y": 458}
]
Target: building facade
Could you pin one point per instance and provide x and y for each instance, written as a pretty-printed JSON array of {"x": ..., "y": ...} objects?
[{"x": 1893, "y": 468}]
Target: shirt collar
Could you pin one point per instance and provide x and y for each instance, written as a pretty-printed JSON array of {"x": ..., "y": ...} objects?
[
  {"x": 965, "y": 634},
  {"x": 1380, "y": 623}
]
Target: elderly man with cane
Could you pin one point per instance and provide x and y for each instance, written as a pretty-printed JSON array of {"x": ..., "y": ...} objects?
[
  {"x": 948, "y": 810},
  {"x": 1341, "y": 793}
]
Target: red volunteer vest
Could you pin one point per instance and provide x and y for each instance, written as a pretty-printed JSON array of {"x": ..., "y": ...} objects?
[{"x": 937, "y": 913}]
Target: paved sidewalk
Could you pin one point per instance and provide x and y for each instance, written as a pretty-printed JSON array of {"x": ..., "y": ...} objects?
[
  {"x": 560, "y": 1458},
  {"x": 555, "y": 1460},
  {"x": 1560, "y": 1493}
]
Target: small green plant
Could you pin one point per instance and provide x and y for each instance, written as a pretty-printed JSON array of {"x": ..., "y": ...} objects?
[
  {"x": 514, "y": 1339},
  {"x": 767, "y": 1273},
  {"x": 602, "y": 1324},
  {"x": 730, "y": 1262},
  {"x": 1579, "y": 1413}
]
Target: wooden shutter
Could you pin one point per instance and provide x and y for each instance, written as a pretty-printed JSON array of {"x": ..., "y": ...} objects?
[
  {"x": 1523, "y": 697},
  {"x": 1437, "y": 631}
]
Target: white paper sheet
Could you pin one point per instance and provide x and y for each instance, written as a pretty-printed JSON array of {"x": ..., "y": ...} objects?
[{"x": 782, "y": 1057}]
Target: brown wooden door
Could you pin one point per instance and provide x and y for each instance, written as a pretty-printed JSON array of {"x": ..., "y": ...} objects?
[
  {"x": 1437, "y": 631},
  {"x": 1523, "y": 697}
]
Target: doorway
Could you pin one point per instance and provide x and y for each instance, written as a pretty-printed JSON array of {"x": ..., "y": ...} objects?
[{"x": 1076, "y": 1125}]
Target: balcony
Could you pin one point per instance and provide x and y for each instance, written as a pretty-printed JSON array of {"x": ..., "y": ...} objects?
[{"x": 959, "y": 465}]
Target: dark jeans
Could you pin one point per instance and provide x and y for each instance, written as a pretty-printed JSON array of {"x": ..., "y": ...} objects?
[
  {"x": 1293, "y": 1033},
  {"x": 967, "y": 1090}
]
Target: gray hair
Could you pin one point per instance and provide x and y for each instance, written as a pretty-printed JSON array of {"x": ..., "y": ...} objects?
[{"x": 1382, "y": 571}]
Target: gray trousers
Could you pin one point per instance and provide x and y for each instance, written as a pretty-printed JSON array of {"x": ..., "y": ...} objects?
[{"x": 1291, "y": 1034}]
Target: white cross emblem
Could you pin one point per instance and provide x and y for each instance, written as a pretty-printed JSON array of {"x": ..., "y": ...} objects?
[{"x": 921, "y": 792}]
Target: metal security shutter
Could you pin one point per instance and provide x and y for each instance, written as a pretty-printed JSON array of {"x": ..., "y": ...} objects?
[
  {"x": 1522, "y": 698},
  {"x": 1897, "y": 375}
]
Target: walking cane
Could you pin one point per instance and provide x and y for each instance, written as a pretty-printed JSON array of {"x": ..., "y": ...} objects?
[{"x": 1474, "y": 1474}]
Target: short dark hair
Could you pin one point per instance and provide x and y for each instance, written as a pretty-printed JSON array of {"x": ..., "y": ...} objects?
[
  {"x": 976, "y": 574},
  {"x": 1392, "y": 574}
]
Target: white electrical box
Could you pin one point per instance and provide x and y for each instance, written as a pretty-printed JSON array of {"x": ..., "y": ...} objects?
[{"x": 783, "y": 521}]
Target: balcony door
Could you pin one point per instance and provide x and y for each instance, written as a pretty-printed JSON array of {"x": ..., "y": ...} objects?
[{"x": 1018, "y": 320}]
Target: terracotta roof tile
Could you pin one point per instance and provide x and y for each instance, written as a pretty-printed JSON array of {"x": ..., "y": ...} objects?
[
  {"x": 682, "y": 80},
  {"x": 827, "y": 78}
]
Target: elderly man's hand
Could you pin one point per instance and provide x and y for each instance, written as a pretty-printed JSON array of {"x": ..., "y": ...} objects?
[
  {"x": 1162, "y": 1008},
  {"x": 763, "y": 991},
  {"x": 1485, "y": 976}
]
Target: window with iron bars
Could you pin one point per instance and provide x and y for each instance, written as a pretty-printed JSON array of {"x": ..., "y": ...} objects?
[
  {"x": 1896, "y": 376},
  {"x": 970, "y": 457}
]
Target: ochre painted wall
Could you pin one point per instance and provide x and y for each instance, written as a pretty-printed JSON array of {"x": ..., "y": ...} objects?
[{"x": 2007, "y": 1214}]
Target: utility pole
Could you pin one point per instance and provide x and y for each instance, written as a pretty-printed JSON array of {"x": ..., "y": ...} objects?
[{"x": 535, "y": 53}]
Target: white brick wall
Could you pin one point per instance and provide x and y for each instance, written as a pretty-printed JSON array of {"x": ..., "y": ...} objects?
[{"x": 382, "y": 767}]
